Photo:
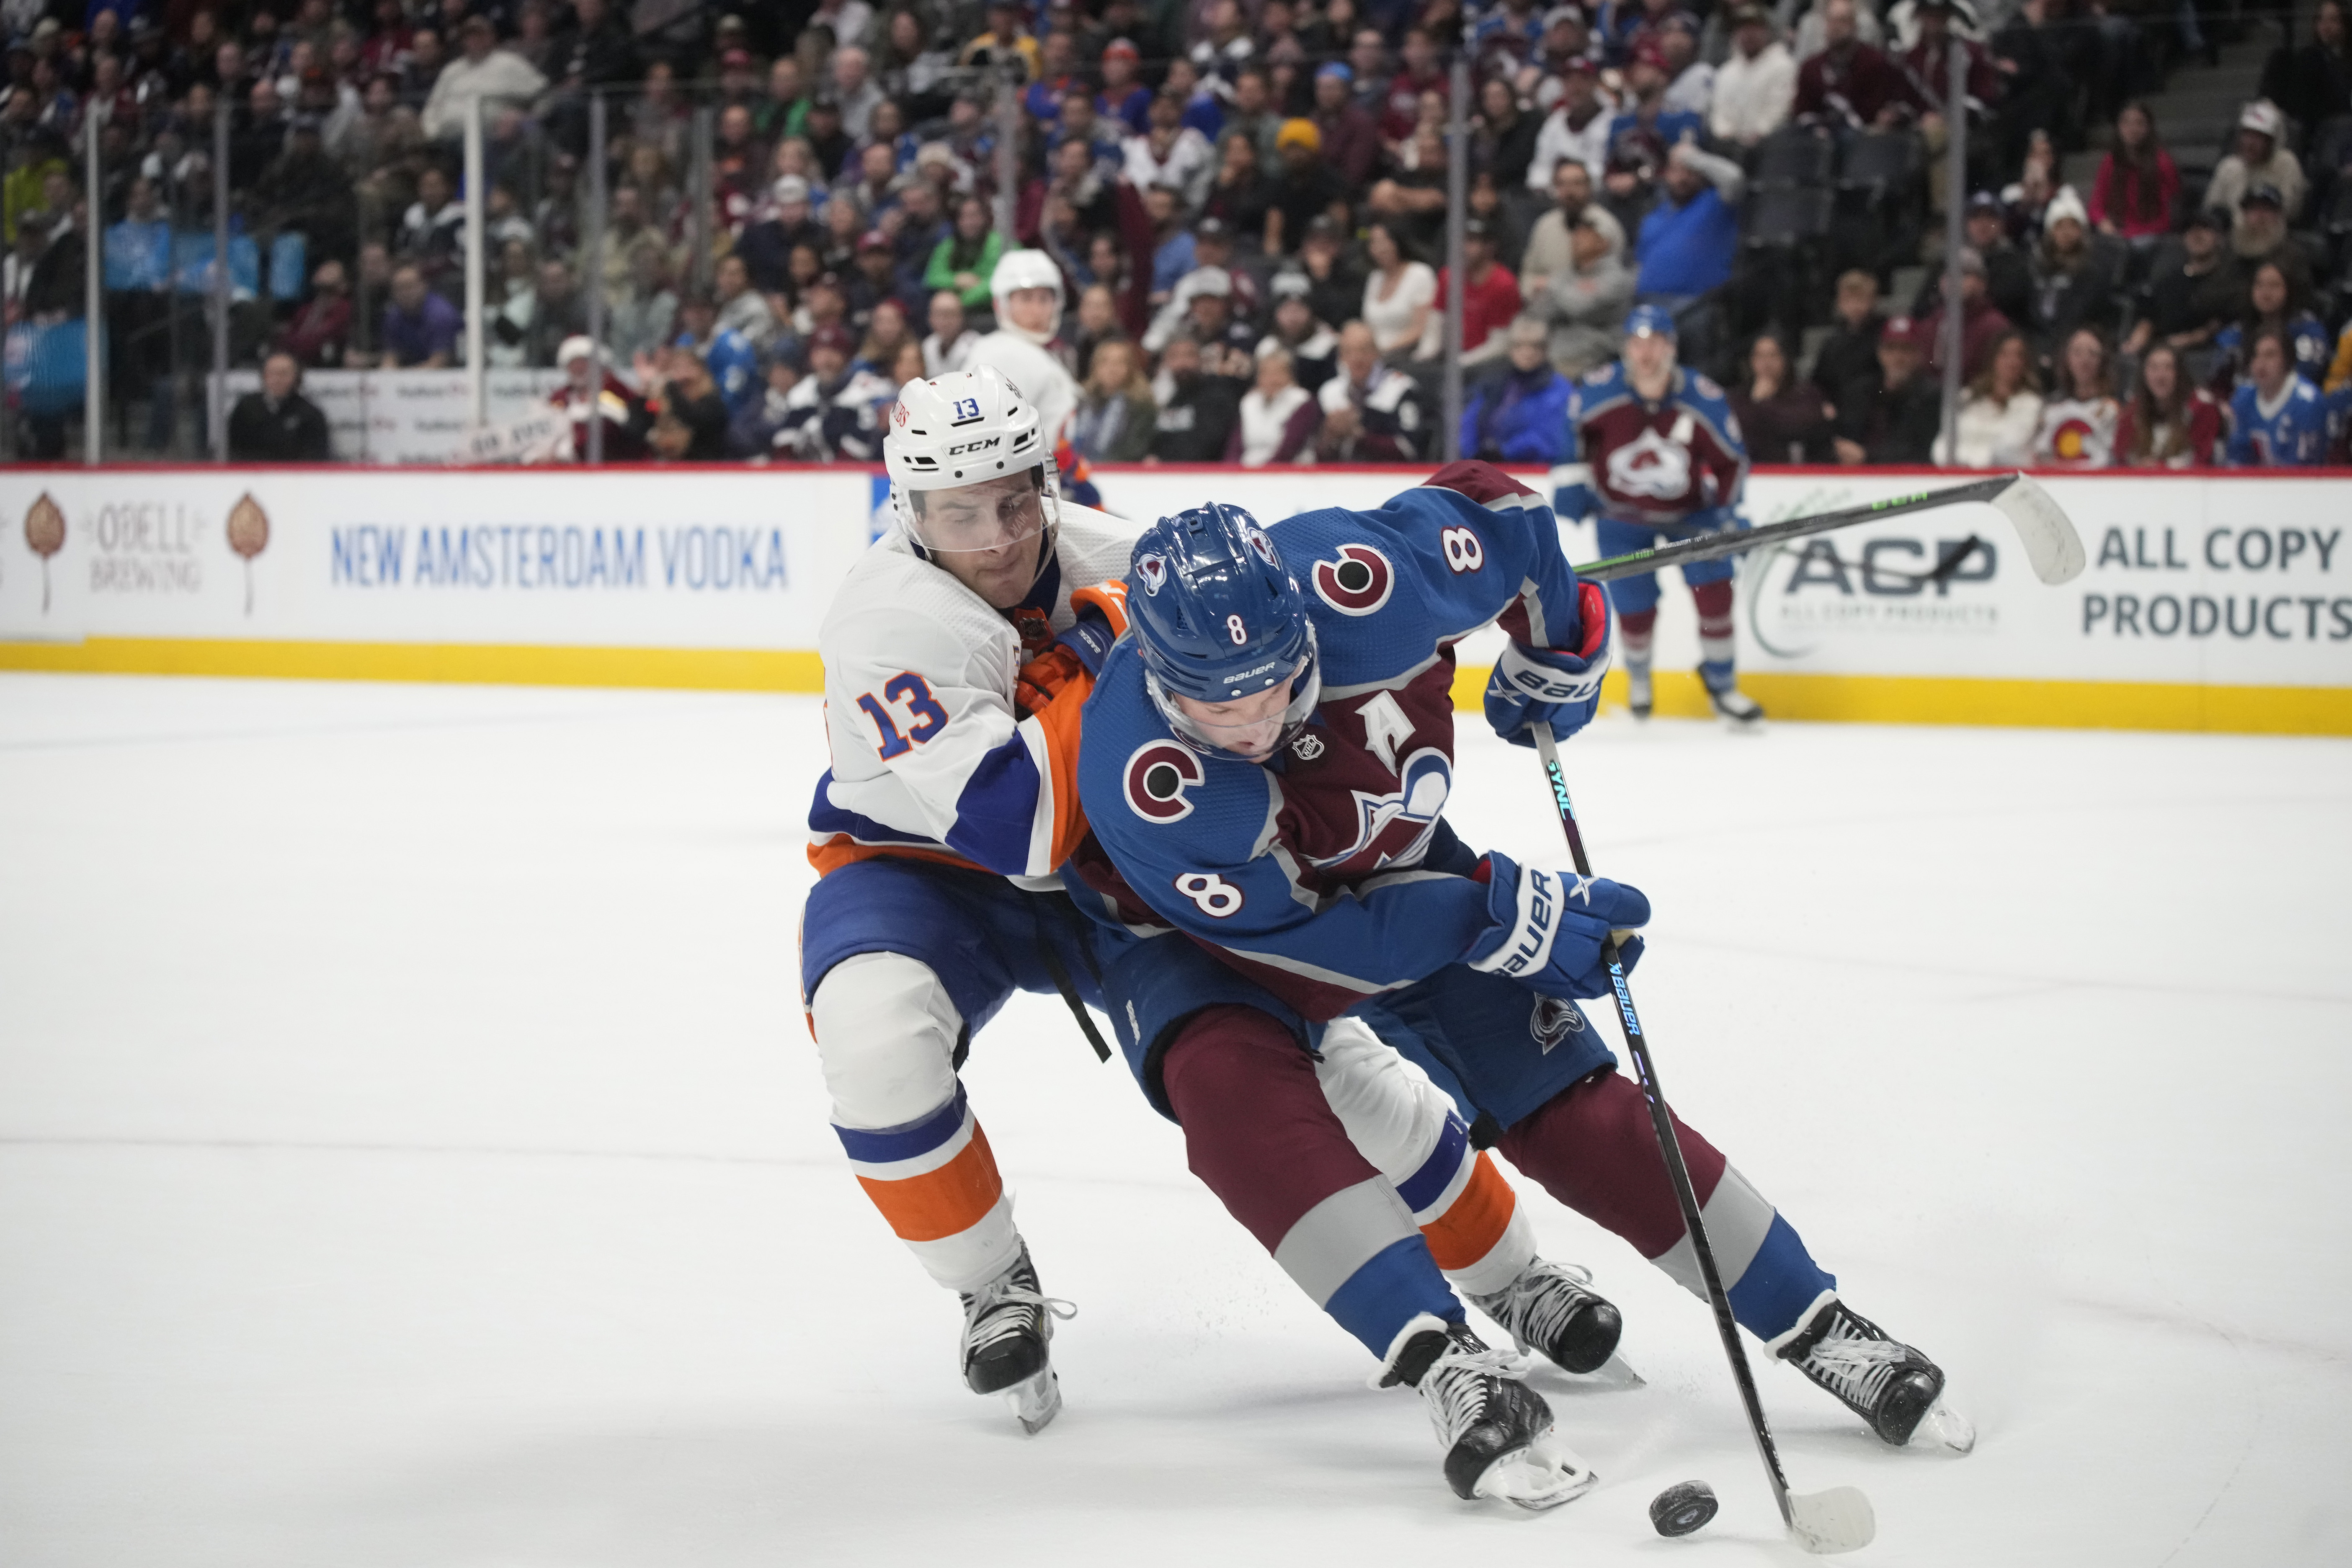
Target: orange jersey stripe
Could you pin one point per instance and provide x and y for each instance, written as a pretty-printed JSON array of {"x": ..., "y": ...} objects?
[
  {"x": 1475, "y": 1221},
  {"x": 939, "y": 1203},
  {"x": 1059, "y": 722},
  {"x": 840, "y": 850}
]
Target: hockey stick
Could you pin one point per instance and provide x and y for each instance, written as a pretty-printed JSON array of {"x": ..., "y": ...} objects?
[
  {"x": 2050, "y": 544},
  {"x": 1838, "y": 1520}
]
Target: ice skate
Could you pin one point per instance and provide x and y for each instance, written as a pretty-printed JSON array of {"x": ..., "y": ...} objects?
[
  {"x": 1638, "y": 696},
  {"x": 1894, "y": 1388},
  {"x": 1737, "y": 709},
  {"x": 1496, "y": 1431},
  {"x": 1007, "y": 1324},
  {"x": 1549, "y": 1308}
]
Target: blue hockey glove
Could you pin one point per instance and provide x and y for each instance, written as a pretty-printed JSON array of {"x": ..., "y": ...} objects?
[
  {"x": 1089, "y": 638},
  {"x": 1545, "y": 927},
  {"x": 1556, "y": 687}
]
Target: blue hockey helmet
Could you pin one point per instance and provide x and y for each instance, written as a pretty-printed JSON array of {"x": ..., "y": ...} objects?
[
  {"x": 1650, "y": 321},
  {"x": 1218, "y": 618}
]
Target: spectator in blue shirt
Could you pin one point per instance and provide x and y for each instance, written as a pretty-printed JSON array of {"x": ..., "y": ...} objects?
[
  {"x": 1690, "y": 238},
  {"x": 1173, "y": 254},
  {"x": 420, "y": 328},
  {"x": 1521, "y": 415},
  {"x": 733, "y": 362},
  {"x": 2278, "y": 418}
]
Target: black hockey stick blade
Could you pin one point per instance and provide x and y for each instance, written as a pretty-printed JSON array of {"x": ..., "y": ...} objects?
[{"x": 2052, "y": 546}]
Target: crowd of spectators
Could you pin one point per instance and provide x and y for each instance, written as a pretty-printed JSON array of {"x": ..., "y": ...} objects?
[{"x": 1247, "y": 202}]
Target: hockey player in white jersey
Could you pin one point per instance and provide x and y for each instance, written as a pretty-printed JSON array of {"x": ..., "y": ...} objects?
[
  {"x": 1027, "y": 289},
  {"x": 958, "y": 655}
]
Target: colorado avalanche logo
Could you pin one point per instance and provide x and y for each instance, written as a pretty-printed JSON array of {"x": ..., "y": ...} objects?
[
  {"x": 1553, "y": 1021},
  {"x": 1153, "y": 570},
  {"x": 1359, "y": 583},
  {"x": 1652, "y": 466},
  {"x": 1422, "y": 785},
  {"x": 2071, "y": 442},
  {"x": 1263, "y": 546},
  {"x": 1158, "y": 774}
]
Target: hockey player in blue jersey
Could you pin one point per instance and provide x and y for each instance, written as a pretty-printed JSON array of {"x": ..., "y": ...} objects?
[
  {"x": 1266, "y": 763},
  {"x": 957, "y": 655},
  {"x": 2278, "y": 419},
  {"x": 1655, "y": 455}
]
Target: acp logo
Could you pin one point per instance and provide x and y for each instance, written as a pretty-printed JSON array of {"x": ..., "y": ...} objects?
[
  {"x": 1158, "y": 775},
  {"x": 1357, "y": 583},
  {"x": 1153, "y": 570}
]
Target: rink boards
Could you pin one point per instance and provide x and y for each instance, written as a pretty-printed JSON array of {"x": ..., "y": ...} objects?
[{"x": 2219, "y": 603}]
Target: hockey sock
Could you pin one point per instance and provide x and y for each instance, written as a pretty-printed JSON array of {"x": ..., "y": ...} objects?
[
  {"x": 936, "y": 1182},
  {"x": 887, "y": 1031},
  {"x": 1715, "y": 639},
  {"x": 1634, "y": 630},
  {"x": 1592, "y": 1147},
  {"x": 1406, "y": 1126},
  {"x": 1258, "y": 1132}
]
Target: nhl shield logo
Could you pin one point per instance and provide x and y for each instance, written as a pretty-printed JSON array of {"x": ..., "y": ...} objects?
[
  {"x": 1553, "y": 1021},
  {"x": 1154, "y": 572},
  {"x": 1308, "y": 747}
]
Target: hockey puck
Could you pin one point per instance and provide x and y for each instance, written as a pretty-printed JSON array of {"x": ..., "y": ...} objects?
[{"x": 1682, "y": 1508}]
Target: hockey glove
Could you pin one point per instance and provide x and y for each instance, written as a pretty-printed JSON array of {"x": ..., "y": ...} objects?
[
  {"x": 1080, "y": 651},
  {"x": 1556, "y": 687},
  {"x": 1546, "y": 927}
]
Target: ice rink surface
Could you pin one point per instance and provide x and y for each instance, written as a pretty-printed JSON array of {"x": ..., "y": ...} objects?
[{"x": 412, "y": 1156}]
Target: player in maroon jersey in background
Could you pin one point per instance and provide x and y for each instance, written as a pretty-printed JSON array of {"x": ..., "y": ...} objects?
[{"x": 1659, "y": 458}]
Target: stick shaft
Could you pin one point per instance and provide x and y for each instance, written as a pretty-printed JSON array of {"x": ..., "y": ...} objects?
[
  {"x": 1637, "y": 1045},
  {"x": 1710, "y": 546}
]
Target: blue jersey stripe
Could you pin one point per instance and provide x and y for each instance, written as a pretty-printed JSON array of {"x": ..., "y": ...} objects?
[
  {"x": 882, "y": 1145},
  {"x": 1423, "y": 1187},
  {"x": 1780, "y": 1282},
  {"x": 1394, "y": 1287},
  {"x": 997, "y": 812}
]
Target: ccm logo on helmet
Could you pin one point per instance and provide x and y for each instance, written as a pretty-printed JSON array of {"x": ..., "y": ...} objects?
[
  {"x": 1358, "y": 582},
  {"x": 1158, "y": 774},
  {"x": 975, "y": 445}
]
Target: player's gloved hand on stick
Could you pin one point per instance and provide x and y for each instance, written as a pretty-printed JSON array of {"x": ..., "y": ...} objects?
[
  {"x": 1546, "y": 927},
  {"x": 1556, "y": 687}
]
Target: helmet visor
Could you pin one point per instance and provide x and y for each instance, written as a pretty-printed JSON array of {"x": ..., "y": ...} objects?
[
  {"x": 993, "y": 515},
  {"x": 1250, "y": 729}
]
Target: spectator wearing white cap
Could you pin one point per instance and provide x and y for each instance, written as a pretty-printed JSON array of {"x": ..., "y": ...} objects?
[
  {"x": 2075, "y": 274},
  {"x": 1756, "y": 86},
  {"x": 2258, "y": 156}
]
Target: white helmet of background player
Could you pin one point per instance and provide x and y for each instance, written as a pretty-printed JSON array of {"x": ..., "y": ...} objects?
[
  {"x": 1018, "y": 269},
  {"x": 951, "y": 434}
]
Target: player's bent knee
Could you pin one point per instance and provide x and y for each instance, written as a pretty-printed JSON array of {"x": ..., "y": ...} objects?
[
  {"x": 1226, "y": 1057},
  {"x": 886, "y": 1033},
  {"x": 1391, "y": 1109}
]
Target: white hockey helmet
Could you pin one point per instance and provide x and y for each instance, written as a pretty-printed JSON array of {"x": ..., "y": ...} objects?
[
  {"x": 1026, "y": 270},
  {"x": 963, "y": 428}
]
